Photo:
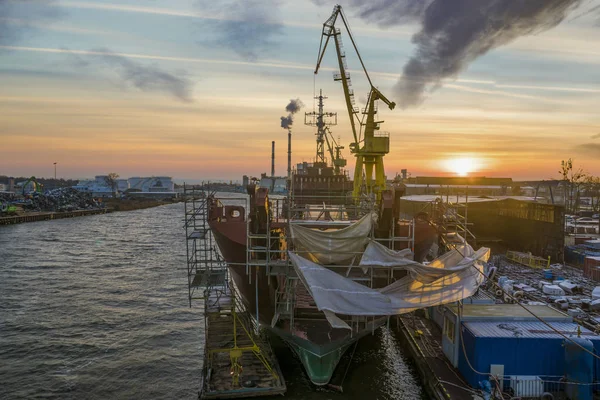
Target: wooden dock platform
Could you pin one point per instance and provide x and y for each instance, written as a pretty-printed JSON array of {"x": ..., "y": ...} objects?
[
  {"x": 240, "y": 364},
  {"x": 441, "y": 380}
]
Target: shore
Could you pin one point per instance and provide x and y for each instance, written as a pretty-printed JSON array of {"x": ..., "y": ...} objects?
[
  {"x": 135, "y": 204},
  {"x": 110, "y": 206}
]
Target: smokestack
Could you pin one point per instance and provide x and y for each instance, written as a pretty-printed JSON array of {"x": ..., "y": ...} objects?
[
  {"x": 289, "y": 153},
  {"x": 272, "y": 159},
  {"x": 286, "y": 123}
]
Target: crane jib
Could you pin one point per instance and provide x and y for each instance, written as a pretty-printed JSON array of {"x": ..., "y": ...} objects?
[{"x": 368, "y": 147}]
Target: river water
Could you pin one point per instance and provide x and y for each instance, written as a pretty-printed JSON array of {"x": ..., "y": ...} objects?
[{"x": 96, "y": 308}]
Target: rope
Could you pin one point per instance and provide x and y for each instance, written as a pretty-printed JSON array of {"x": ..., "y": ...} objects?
[{"x": 462, "y": 342}]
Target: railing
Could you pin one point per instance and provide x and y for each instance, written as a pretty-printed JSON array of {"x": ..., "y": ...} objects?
[
  {"x": 534, "y": 387},
  {"x": 528, "y": 259}
]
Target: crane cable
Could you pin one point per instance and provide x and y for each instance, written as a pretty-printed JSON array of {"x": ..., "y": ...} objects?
[
  {"x": 531, "y": 312},
  {"x": 462, "y": 342}
]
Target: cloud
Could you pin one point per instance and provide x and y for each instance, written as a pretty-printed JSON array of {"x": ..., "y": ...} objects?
[
  {"x": 590, "y": 149},
  {"x": 596, "y": 136},
  {"x": 20, "y": 17},
  {"x": 147, "y": 78},
  {"x": 454, "y": 33},
  {"x": 245, "y": 26}
]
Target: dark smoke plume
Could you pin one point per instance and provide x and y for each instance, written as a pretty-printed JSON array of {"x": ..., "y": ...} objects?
[
  {"x": 247, "y": 26},
  {"x": 20, "y": 17},
  {"x": 286, "y": 122},
  {"x": 292, "y": 108},
  {"x": 147, "y": 78},
  {"x": 454, "y": 33}
]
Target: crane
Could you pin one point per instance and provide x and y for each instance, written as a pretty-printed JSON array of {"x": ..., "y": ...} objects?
[
  {"x": 37, "y": 187},
  {"x": 369, "y": 144}
]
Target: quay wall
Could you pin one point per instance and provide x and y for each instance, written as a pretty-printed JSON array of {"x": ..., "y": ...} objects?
[{"x": 45, "y": 216}]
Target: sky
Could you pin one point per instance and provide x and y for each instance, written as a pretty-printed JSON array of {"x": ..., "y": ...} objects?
[{"x": 196, "y": 89}]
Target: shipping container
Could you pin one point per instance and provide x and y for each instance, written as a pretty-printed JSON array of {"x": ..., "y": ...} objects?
[
  {"x": 591, "y": 268},
  {"x": 522, "y": 347}
]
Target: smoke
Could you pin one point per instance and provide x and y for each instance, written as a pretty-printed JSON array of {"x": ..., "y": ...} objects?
[
  {"x": 454, "y": 33},
  {"x": 286, "y": 122},
  {"x": 148, "y": 78},
  {"x": 246, "y": 26},
  {"x": 18, "y": 18},
  {"x": 292, "y": 108}
]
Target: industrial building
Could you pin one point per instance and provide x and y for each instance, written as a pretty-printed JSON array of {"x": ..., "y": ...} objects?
[
  {"x": 159, "y": 186},
  {"x": 152, "y": 184},
  {"x": 98, "y": 186},
  {"x": 500, "y": 222},
  {"x": 472, "y": 186}
]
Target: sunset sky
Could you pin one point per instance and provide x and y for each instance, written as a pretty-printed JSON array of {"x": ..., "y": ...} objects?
[{"x": 195, "y": 90}]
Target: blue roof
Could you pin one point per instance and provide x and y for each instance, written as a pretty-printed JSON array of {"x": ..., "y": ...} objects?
[{"x": 526, "y": 329}]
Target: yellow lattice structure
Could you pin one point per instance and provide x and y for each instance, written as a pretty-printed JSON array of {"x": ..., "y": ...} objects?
[{"x": 528, "y": 259}]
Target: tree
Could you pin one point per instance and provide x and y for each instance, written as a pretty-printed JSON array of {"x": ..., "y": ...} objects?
[
  {"x": 592, "y": 190},
  {"x": 111, "y": 182},
  {"x": 573, "y": 180}
]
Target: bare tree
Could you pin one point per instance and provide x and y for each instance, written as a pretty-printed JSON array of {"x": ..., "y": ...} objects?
[
  {"x": 573, "y": 179},
  {"x": 111, "y": 182},
  {"x": 592, "y": 189}
]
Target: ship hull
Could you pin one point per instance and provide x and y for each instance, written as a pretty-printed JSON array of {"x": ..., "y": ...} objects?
[{"x": 252, "y": 282}]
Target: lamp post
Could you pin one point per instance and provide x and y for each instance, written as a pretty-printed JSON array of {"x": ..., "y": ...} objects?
[{"x": 55, "y": 171}]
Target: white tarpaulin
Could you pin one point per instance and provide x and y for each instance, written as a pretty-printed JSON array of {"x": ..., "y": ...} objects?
[
  {"x": 448, "y": 280},
  {"x": 335, "y": 246},
  {"x": 450, "y": 262}
]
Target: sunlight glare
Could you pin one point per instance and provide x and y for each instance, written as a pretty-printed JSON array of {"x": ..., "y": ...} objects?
[{"x": 462, "y": 166}]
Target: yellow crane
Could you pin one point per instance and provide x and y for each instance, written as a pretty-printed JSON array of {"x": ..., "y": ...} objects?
[{"x": 369, "y": 144}]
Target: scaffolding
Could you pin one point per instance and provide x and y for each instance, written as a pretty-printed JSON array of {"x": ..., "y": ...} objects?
[
  {"x": 206, "y": 270},
  {"x": 238, "y": 363},
  {"x": 453, "y": 222}
]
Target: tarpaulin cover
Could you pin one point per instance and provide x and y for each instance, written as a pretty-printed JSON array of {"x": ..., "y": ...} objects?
[
  {"x": 378, "y": 255},
  {"x": 335, "y": 246},
  {"x": 449, "y": 278}
]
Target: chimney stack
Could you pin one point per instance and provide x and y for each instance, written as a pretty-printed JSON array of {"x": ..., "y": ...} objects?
[{"x": 272, "y": 159}]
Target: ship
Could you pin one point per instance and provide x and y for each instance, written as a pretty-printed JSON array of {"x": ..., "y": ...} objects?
[{"x": 254, "y": 239}]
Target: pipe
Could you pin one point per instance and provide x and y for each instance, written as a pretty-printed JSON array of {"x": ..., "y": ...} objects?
[
  {"x": 289, "y": 171},
  {"x": 272, "y": 159}
]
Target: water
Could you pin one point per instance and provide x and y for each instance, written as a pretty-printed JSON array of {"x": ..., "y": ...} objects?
[{"x": 96, "y": 308}]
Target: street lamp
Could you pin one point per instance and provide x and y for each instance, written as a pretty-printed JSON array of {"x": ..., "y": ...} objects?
[{"x": 54, "y": 171}]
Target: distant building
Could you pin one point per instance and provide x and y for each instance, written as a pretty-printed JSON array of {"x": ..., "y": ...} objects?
[
  {"x": 275, "y": 184},
  {"x": 152, "y": 184},
  {"x": 122, "y": 185},
  {"x": 3, "y": 187},
  {"x": 97, "y": 186},
  {"x": 480, "y": 186}
]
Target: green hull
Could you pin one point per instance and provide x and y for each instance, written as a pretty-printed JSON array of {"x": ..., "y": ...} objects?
[{"x": 320, "y": 361}]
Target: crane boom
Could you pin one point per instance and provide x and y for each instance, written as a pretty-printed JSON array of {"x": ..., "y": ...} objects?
[{"x": 368, "y": 148}]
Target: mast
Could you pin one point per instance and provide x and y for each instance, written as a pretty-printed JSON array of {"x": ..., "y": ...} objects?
[{"x": 322, "y": 121}]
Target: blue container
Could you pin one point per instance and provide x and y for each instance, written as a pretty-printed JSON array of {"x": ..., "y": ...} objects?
[
  {"x": 548, "y": 274},
  {"x": 579, "y": 367},
  {"x": 523, "y": 347}
]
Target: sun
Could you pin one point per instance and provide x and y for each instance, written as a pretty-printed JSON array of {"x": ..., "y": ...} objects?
[{"x": 462, "y": 166}]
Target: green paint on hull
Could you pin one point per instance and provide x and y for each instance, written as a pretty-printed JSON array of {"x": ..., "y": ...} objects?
[
  {"x": 320, "y": 361},
  {"x": 320, "y": 368}
]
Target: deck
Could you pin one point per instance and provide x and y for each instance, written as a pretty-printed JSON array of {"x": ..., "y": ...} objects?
[{"x": 258, "y": 372}]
